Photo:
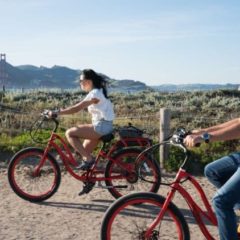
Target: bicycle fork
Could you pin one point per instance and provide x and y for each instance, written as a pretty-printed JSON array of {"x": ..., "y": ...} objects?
[
  {"x": 42, "y": 161},
  {"x": 168, "y": 200}
]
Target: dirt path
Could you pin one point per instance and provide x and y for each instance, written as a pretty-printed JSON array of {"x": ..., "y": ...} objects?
[{"x": 66, "y": 215}]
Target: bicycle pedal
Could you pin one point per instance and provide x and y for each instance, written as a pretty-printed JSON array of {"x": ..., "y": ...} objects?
[{"x": 86, "y": 188}]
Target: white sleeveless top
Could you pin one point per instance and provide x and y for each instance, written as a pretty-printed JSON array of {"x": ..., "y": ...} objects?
[{"x": 103, "y": 109}]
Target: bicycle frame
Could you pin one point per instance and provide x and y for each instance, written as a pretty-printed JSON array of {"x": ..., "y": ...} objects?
[
  {"x": 183, "y": 176},
  {"x": 91, "y": 175}
]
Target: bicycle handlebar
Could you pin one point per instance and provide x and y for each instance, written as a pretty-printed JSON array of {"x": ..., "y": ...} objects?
[
  {"x": 35, "y": 129},
  {"x": 53, "y": 118},
  {"x": 176, "y": 139},
  {"x": 178, "y": 136}
]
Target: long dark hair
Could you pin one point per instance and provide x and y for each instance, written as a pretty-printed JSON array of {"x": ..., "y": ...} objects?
[{"x": 97, "y": 80}]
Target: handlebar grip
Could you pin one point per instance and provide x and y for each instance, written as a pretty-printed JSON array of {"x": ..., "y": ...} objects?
[{"x": 53, "y": 116}]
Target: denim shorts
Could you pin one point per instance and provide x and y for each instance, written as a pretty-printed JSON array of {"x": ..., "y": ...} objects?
[{"x": 103, "y": 127}]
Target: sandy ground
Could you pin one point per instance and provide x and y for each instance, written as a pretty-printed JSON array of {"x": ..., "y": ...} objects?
[{"x": 67, "y": 215}]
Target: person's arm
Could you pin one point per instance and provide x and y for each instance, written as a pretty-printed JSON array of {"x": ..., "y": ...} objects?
[
  {"x": 75, "y": 108},
  {"x": 217, "y": 127},
  {"x": 227, "y": 131},
  {"x": 78, "y": 107}
]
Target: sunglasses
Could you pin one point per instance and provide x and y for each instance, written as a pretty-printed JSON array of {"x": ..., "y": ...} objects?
[{"x": 83, "y": 80}]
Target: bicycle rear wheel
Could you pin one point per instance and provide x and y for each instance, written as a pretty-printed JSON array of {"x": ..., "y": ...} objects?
[
  {"x": 130, "y": 216},
  {"x": 28, "y": 184},
  {"x": 145, "y": 175}
]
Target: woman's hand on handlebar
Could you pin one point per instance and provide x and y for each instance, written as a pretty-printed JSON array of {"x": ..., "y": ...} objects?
[{"x": 50, "y": 114}]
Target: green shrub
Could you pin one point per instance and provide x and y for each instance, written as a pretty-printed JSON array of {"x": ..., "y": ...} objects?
[
  {"x": 192, "y": 110},
  {"x": 16, "y": 143},
  {"x": 202, "y": 155}
]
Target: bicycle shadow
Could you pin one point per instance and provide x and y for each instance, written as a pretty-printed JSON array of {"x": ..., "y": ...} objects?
[
  {"x": 101, "y": 206},
  {"x": 80, "y": 206}
]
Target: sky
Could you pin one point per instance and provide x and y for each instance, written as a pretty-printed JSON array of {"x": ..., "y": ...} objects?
[{"x": 152, "y": 41}]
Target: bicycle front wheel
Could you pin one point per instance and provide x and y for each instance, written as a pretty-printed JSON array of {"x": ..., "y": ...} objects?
[
  {"x": 124, "y": 175},
  {"x": 29, "y": 184},
  {"x": 130, "y": 216}
]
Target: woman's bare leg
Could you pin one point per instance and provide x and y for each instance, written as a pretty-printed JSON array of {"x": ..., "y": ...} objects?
[
  {"x": 83, "y": 132},
  {"x": 90, "y": 144}
]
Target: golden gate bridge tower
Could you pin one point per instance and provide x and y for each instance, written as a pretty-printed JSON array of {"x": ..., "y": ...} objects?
[{"x": 3, "y": 71}]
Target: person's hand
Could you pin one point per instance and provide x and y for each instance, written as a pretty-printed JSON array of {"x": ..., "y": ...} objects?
[
  {"x": 49, "y": 113},
  {"x": 52, "y": 114},
  {"x": 193, "y": 140},
  {"x": 95, "y": 100}
]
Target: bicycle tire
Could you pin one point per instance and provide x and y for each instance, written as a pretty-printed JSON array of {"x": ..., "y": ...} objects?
[
  {"x": 28, "y": 186},
  {"x": 132, "y": 181},
  {"x": 129, "y": 216}
]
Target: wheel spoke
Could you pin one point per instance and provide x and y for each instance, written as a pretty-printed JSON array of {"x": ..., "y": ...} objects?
[
  {"x": 30, "y": 184},
  {"x": 131, "y": 216},
  {"x": 141, "y": 176}
]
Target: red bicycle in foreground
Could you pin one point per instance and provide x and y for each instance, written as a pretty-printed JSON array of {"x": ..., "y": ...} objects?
[
  {"x": 34, "y": 174},
  {"x": 149, "y": 216}
]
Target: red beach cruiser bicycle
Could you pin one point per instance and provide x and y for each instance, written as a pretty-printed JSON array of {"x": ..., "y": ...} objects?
[
  {"x": 34, "y": 174},
  {"x": 149, "y": 216}
]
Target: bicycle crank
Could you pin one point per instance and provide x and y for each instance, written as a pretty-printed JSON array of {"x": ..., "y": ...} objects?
[
  {"x": 108, "y": 187},
  {"x": 154, "y": 236}
]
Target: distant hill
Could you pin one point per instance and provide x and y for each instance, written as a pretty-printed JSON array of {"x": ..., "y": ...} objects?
[
  {"x": 127, "y": 86},
  {"x": 28, "y": 76},
  {"x": 31, "y": 77}
]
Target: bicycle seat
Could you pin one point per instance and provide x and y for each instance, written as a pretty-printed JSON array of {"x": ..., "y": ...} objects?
[{"x": 107, "y": 138}]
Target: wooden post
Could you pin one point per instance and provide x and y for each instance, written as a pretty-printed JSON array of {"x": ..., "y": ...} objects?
[{"x": 165, "y": 116}]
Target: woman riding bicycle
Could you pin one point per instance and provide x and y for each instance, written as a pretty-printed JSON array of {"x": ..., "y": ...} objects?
[
  {"x": 224, "y": 173},
  {"x": 101, "y": 110}
]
